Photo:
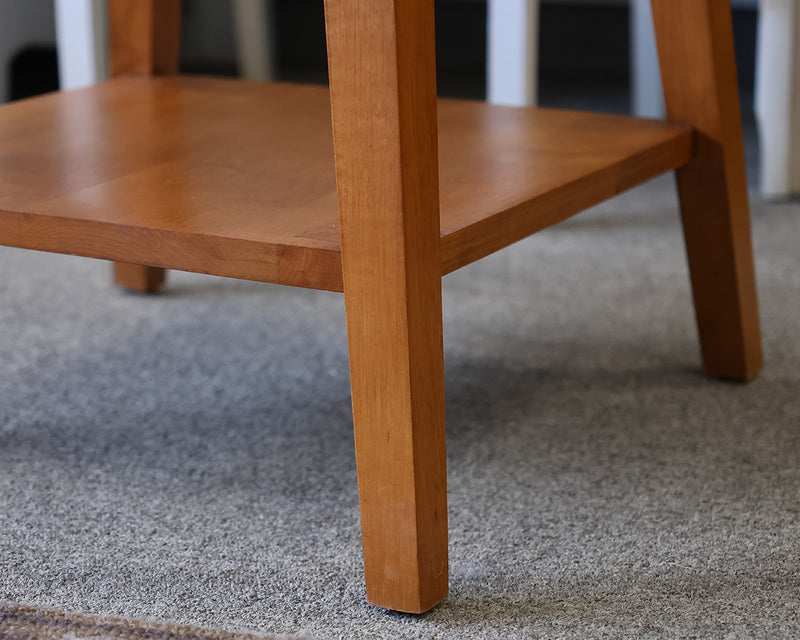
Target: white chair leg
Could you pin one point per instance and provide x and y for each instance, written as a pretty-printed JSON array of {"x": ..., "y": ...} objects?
[
  {"x": 254, "y": 38},
  {"x": 81, "y": 37},
  {"x": 512, "y": 46},
  {"x": 647, "y": 96},
  {"x": 777, "y": 91}
]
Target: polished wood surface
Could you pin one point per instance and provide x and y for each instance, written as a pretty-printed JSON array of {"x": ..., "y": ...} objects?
[
  {"x": 237, "y": 179},
  {"x": 144, "y": 39},
  {"x": 386, "y": 170},
  {"x": 695, "y": 40}
]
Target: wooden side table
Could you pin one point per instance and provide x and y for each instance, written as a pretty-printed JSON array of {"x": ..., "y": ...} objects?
[{"x": 376, "y": 189}]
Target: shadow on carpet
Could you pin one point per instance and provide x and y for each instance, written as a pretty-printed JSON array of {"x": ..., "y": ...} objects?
[{"x": 18, "y": 622}]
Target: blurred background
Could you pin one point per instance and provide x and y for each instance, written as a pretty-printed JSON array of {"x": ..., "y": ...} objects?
[{"x": 585, "y": 47}]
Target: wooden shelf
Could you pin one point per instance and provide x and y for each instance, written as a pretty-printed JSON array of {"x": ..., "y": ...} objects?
[{"x": 237, "y": 179}]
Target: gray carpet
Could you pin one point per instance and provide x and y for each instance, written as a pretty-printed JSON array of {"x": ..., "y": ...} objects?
[{"x": 189, "y": 457}]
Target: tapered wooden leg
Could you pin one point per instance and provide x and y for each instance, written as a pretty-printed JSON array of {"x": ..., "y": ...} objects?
[
  {"x": 383, "y": 98},
  {"x": 138, "y": 278},
  {"x": 398, "y": 406},
  {"x": 695, "y": 42}
]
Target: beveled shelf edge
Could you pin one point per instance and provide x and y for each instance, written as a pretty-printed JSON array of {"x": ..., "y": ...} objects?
[
  {"x": 298, "y": 266},
  {"x": 464, "y": 246}
]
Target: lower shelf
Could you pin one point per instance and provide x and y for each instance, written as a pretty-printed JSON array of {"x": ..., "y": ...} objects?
[{"x": 237, "y": 178}]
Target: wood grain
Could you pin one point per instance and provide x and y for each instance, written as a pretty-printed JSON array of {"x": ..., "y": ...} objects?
[
  {"x": 236, "y": 178},
  {"x": 383, "y": 93},
  {"x": 695, "y": 42},
  {"x": 144, "y": 39},
  {"x": 508, "y": 172}
]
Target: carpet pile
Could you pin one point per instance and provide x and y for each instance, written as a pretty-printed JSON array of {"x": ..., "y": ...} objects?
[{"x": 189, "y": 457}]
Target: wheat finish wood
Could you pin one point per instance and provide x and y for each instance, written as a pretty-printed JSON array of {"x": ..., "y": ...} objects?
[
  {"x": 695, "y": 43},
  {"x": 383, "y": 95},
  {"x": 144, "y": 39},
  {"x": 508, "y": 172},
  {"x": 237, "y": 179}
]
